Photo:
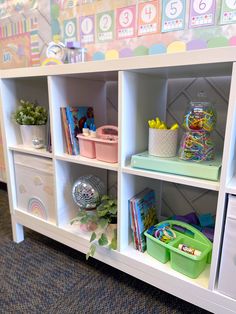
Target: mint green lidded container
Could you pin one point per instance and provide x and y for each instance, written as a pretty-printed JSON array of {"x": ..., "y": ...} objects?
[{"x": 183, "y": 262}]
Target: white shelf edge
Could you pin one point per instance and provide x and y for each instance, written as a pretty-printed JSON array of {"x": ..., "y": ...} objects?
[
  {"x": 215, "y": 55},
  {"x": 30, "y": 216},
  {"x": 231, "y": 186},
  {"x": 32, "y": 151},
  {"x": 150, "y": 272},
  {"x": 74, "y": 229},
  {"x": 202, "y": 281},
  {"x": 199, "y": 183},
  {"x": 88, "y": 162},
  {"x": 130, "y": 252}
]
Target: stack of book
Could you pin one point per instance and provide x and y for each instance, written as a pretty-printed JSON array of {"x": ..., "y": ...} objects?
[
  {"x": 73, "y": 119},
  {"x": 142, "y": 209}
]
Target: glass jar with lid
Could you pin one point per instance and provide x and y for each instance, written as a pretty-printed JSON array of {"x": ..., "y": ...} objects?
[
  {"x": 200, "y": 115},
  {"x": 199, "y": 120}
]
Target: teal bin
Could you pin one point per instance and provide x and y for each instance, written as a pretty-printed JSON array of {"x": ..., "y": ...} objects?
[{"x": 183, "y": 262}]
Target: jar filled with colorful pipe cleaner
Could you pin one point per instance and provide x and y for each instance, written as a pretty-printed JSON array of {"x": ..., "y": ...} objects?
[
  {"x": 200, "y": 116},
  {"x": 196, "y": 146}
]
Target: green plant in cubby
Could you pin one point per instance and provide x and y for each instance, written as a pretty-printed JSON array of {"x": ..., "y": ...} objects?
[{"x": 102, "y": 222}]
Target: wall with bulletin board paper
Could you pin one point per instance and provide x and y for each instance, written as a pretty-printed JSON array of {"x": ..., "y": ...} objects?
[{"x": 112, "y": 29}]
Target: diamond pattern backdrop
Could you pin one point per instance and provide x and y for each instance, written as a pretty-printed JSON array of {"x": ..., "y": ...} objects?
[{"x": 181, "y": 199}]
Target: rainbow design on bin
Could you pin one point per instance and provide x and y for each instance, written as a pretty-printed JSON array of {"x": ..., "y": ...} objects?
[{"x": 37, "y": 208}]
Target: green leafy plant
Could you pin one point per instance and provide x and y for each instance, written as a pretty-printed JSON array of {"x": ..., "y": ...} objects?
[
  {"x": 99, "y": 223},
  {"x": 30, "y": 113}
]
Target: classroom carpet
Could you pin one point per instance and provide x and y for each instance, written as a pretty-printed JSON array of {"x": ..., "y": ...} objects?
[{"x": 40, "y": 275}]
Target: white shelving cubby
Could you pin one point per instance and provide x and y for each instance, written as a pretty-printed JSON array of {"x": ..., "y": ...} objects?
[{"x": 141, "y": 89}]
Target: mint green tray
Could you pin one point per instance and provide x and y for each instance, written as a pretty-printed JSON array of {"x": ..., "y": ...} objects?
[
  {"x": 182, "y": 262},
  {"x": 209, "y": 170}
]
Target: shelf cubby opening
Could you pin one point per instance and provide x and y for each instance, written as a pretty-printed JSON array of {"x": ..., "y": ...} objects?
[
  {"x": 69, "y": 173},
  {"x": 171, "y": 200},
  {"x": 13, "y": 90},
  {"x": 82, "y": 91},
  {"x": 146, "y": 96}
]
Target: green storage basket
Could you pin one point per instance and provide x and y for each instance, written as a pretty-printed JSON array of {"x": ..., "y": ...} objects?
[{"x": 182, "y": 262}]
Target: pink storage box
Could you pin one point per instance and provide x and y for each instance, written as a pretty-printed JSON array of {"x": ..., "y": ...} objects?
[
  {"x": 86, "y": 146},
  {"x": 104, "y": 147}
]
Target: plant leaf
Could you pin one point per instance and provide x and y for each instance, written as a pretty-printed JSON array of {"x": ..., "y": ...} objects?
[
  {"x": 102, "y": 213},
  {"x": 113, "y": 210},
  {"x": 74, "y": 220},
  {"x": 103, "y": 222},
  {"x": 103, "y": 240},
  {"x": 92, "y": 250},
  {"x": 84, "y": 220},
  {"x": 81, "y": 213},
  {"x": 93, "y": 237},
  {"x": 113, "y": 244},
  {"x": 105, "y": 197}
]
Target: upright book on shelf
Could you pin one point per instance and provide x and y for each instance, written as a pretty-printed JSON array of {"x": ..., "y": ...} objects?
[
  {"x": 142, "y": 215},
  {"x": 73, "y": 118}
]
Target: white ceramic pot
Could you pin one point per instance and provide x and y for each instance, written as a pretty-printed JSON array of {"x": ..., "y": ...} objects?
[{"x": 33, "y": 135}]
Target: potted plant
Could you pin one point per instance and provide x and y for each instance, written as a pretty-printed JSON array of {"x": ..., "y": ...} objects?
[
  {"x": 102, "y": 222},
  {"x": 32, "y": 119}
]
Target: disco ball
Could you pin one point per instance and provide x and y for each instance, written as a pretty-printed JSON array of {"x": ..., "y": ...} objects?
[{"x": 87, "y": 191}]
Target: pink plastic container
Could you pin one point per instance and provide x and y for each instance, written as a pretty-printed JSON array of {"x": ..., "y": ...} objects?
[
  {"x": 86, "y": 146},
  {"x": 104, "y": 147},
  {"x": 106, "y": 144}
]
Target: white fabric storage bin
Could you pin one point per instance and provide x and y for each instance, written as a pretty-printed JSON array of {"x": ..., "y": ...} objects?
[
  {"x": 227, "y": 274},
  {"x": 34, "y": 185}
]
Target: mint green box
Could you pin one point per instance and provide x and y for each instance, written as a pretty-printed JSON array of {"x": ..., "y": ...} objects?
[{"x": 209, "y": 170}]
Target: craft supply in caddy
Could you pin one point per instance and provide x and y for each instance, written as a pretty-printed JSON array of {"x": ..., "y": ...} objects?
[
  {"x": 189, "y": 250},
  {"x": 163, "y": 232}
]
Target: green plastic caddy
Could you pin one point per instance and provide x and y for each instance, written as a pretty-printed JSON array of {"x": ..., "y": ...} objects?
[{"x": 183, "y": 262}]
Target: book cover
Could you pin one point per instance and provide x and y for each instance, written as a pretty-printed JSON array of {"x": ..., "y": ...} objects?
[
  {"x": 76, "y": 117},
  {"x": 145, "y": 212}
]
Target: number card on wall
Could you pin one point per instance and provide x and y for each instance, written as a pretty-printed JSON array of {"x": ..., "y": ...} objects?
[
  {"x": 228, "y": 12},
  {"x": 148, "y": 18},
  {"x": 105, "y": 26},
  {"x": 125, "y": 22},
  {"x": 173, "y": 15},
  {"x": 70, "y": 30},
  {"x": 202, "y": 13},
  {"x": 87, "y": 32}
]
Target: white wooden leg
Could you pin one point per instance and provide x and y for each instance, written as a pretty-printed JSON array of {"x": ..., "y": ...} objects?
[{"x": 17, "y": 231}]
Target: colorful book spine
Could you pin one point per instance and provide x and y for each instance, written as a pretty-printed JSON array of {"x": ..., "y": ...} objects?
[
  {"x": 67, "y": 133},
  {"x": 133, "y": 223},
  {"x": 143, "y": 215}
]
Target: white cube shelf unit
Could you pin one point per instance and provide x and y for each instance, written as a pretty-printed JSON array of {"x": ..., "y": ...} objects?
[{"x": 141, "y": 94}]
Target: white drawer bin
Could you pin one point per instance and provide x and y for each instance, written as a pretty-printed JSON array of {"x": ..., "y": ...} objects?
[
  {"x": 227, "y": 275},
  {"x": 34, "y": 185}
]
